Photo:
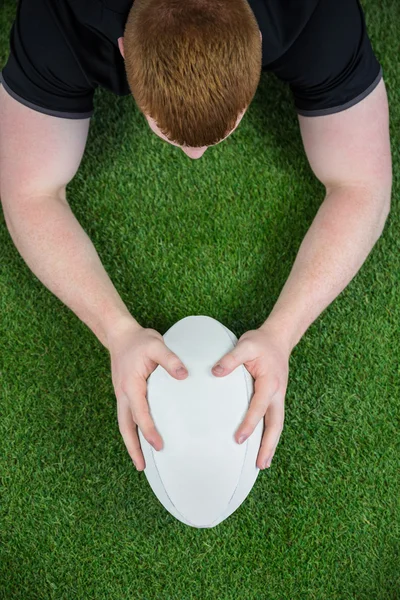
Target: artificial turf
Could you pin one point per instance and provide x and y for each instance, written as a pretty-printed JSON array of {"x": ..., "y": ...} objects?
[{"x": 215, "y": 236}]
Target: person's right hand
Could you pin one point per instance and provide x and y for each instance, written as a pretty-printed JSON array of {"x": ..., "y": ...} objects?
[{"x": 135, "y": 353}]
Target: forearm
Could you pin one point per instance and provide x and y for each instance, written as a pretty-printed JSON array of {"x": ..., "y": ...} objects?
[
  {"x": 344, "y": 231},
  {"x": 61, "y": 255}
]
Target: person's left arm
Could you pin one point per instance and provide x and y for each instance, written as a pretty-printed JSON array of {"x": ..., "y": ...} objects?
[{"x": 349, "y": 152}]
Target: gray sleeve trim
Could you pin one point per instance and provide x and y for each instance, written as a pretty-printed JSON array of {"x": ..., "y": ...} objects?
[
  {"x": 336, "y": 109},
  {"x": 46, "y": 111}
]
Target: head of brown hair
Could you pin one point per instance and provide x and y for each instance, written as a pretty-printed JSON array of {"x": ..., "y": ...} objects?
[{"x": 192, "y": 65}]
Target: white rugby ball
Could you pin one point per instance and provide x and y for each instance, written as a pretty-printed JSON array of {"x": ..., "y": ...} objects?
[{"x": 201, "y": 475}]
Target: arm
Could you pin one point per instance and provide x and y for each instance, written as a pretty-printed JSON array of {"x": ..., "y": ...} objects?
[
  {"x": 349, "y": 152},
  {"x": 39, "y": 155}
]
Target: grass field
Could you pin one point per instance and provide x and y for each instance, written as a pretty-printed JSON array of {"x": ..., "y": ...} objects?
[{"x": 215, "y": 236}]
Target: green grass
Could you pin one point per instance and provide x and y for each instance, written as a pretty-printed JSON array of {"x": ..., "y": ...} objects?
[{"x": 218, "y": 237}]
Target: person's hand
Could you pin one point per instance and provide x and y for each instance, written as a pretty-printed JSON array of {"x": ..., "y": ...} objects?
[
  {"x": 267, "y": 360},
  {"x": 135, "y": 353}
]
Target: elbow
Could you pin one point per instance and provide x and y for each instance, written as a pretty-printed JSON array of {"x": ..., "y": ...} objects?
[
  {"x": 383, "y": 196},
  {"x": 386, "y": 194},
  {"x": 380, "y": 191}
]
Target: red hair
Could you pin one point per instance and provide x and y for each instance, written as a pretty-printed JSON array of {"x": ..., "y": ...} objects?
[{"x": 192, "y": 65}]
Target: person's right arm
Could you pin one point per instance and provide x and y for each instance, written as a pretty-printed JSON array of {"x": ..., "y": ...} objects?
[{"x": 39, "y": 155}]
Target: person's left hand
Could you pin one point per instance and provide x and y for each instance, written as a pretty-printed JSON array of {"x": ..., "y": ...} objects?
[{"x": 267, "y": 360}]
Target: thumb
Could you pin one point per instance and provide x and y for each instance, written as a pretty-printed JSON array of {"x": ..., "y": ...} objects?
[
  {"x": 164, "y": 356},
  {"x": 230, "y": 361}
]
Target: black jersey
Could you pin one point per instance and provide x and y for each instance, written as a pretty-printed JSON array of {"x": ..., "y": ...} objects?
[{"x": 62, "y": 50}]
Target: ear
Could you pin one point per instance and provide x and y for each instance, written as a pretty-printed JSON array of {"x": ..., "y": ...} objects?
[
  {"x": 261, "y": 35},
  {"x": 121, "y": 46}
]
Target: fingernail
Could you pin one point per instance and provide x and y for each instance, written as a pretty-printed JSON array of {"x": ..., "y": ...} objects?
[
  {"x": 218, "y": 369},
  {"x": 181, "y": 371},
  {"x": 157, "y": 445},
  {"x": 242, "y": 438}
]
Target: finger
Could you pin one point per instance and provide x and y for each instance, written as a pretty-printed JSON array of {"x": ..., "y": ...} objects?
[
  {"x": 163, "y": 356},
  {"x": 135, "y": 390},
  {"x": 233, "y": 359},
  {"x": 265, "y": 387},
  {"x": 274, "y": 420},
  {"x": 128, "y": 430}
]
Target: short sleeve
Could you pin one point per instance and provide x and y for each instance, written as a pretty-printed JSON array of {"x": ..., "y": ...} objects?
[
  {"x": 331, "y": 66},
  {"x": 41, "y": 71}
]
